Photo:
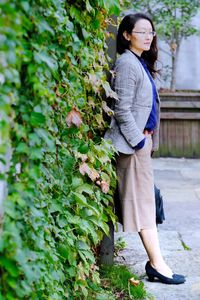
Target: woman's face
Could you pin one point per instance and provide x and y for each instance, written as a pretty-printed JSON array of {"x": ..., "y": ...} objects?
[{"x": 141, "y": 36}]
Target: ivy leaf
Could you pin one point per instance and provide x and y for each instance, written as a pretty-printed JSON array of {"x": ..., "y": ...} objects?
[
  {"x": 55, "y": 207},
  {"x": 75, "y": 13},
  {"x": 80, "y": 199},
  {"x": 12, "y": 283},
  {"x": 74, "y": 118},
  {"x": 10, "y": 209},
  {"x": 43, "y": 57},
  {"x": 87, "y": 256},
  {"x": 63, "y": 250},
  {"x": 62, "y": 221},
  {"x": 69, "y": 162},
  {"x": 81, "y": 245},
  {"x": 89, "y": 7},
  {"x": 85, "y": 34},
  {"x": 22, "y": 148},
  {"x": 37, "y": 119},
  {"x": 76, "y": 181},
  {"x": 36, "y": 153},
  {"x": 10, "y": 266},
  {"x": 44, "y": 27},
  {"x": 46, "y": 137},
  {"x": 83, "y": 148},
  {"x": 113, "y": 6},
  {"x": 86, "y": 188},
  {"x": 71, "y": 271}
]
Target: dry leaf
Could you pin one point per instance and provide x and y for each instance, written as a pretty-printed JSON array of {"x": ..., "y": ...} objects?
[
  {"x": 94, "y": 268},
  {"x": 90, "y": 134},
  {"x": 107, "y": 109},
  {"x": 83, "y": 157},
  {"x": 120, "y": 295},
  {"x": 74, "y": 118},
  {"x": 105, "y": 283},
  {"x": 81, "y": 272},
  {"x": 57, "y": 92},
  {"x": 109, "y": 92},
  {"x": 134, "y": 281},
  {"x": 104, "y": 187},
  {"x": 94, "y": 81},
  {"x": 92, "y": 173},
  {"x": 91, "y": 102},
  {"x": 84, "y": 168}
]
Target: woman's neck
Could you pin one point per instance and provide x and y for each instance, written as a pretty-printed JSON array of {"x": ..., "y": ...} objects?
[
  {"x": 137, "y": 52},
  {"x": 139, "y": 56}
]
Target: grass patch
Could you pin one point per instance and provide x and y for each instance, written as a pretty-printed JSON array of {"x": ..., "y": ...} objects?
[
  {"x": 120, "y": 245},
  {"x": 185, "y": 247},
  {"x": 116, "y": 279}
]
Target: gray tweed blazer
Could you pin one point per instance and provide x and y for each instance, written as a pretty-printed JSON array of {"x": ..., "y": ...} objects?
[{"x": 133, "y": 107}]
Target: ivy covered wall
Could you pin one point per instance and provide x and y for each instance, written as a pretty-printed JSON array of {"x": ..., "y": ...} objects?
[{"x": 60, "y": 180}]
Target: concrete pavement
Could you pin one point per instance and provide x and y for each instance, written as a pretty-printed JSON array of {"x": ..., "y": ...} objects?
[{"x": 179, "y": 235}]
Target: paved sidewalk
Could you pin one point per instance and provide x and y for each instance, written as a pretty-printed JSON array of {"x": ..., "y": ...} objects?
[{"x": 179, "y": 235}]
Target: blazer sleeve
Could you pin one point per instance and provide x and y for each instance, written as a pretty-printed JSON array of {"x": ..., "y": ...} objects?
[{"x": 125, "y": 87}]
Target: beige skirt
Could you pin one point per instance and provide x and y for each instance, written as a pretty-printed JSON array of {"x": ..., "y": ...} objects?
[{"x": 136, "y": 188}]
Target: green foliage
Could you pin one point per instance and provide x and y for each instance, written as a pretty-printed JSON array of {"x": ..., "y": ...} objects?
[
  {"x": 61, "y": 179},
  {"x": 176, "y": 19}
]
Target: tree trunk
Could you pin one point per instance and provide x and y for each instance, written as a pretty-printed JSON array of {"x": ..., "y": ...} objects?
[
  {"x": 107, "y": 247},
  {"x": 107, "y": 243},
  {"x": 174, "y": 68}
]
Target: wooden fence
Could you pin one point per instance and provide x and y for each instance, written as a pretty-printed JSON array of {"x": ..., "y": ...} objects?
[{"x": 180, "y": 125}]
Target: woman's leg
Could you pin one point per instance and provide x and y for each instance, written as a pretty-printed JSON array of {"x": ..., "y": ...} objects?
[{"x": 150, "y": 241}]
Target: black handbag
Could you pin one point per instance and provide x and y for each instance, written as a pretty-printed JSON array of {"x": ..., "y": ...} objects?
[{"x": 160, "y": 215}]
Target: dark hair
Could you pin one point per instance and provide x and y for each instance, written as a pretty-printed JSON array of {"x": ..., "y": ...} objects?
[{"x": 127, "y": 24}]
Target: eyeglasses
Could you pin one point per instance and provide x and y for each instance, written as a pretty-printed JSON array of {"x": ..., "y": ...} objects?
[{"x": 145, "y": 33}]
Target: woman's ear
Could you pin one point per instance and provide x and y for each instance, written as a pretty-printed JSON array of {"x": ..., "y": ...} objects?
[{"x": 126, "y": 35}]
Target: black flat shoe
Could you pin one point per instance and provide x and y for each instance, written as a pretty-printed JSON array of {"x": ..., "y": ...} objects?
[{"x": 152, "y": 273}]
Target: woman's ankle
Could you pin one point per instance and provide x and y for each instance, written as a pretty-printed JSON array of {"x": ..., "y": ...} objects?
[{"x": 162, "y": 268}]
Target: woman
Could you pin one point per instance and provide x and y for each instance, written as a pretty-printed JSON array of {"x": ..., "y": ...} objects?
[{"x": 134, "y": 133}]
